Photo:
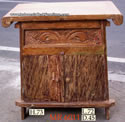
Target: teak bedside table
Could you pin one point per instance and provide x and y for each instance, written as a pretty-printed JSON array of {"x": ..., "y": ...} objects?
[{"x": 63, "y": 58}]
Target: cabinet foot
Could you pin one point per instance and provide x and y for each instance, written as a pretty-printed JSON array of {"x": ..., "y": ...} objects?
[
  {"x": 23, "y": 113},
  {"x": 107, "y": 114}
]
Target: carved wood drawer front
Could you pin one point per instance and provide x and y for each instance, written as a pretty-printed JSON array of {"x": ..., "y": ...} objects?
[{"x": 65, "y": 36}]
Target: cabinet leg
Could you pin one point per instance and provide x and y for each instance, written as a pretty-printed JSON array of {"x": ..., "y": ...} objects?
[
  {"x": 107, "y": 113},
  {"x": 23, "y": 113}
]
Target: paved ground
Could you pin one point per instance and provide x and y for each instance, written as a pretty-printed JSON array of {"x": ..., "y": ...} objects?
[{"x": 9, "y": 73}]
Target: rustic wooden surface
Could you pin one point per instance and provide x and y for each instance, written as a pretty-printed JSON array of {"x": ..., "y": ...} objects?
[
  {"x": 23, "y": 113},
  {"x": 99, "y": 10},
  {"x": 65, "y": 49},
  {"x": 39, "y": 82},
  {"x": 62, "y": 72},
  {"x": 98, "y": 104},
  {"x": 61, "y": 24},
  {"x": 76, "y": 41},
  {"x": 64, "y": 60},
  {"x": 65, "y": 64},
  {"x": 83, "y": 78},
  {"x": 77, "y": 36}
]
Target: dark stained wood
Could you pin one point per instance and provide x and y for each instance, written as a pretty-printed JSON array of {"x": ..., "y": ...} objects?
[
  {"x": 23, "y": 113},
  {"x": 47, "y": 73},
  {"x": 41, "y": 78},
  {"x": 85, "y": 78},
  {"x": 103, "y": 27},
  {"x": 97, "y": 104},
  {"x": 21, "y": 45}
]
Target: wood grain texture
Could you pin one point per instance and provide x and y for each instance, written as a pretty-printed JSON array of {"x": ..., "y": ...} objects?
[
  {"x": 85, "y": 78},
  {"x": 99, "y": 10},
  {"x": 80, "y": 36},
  {"x": 44, "y": 76},
  {"x": 103, "y": 27},
  {"x": 39, "y": 84}
]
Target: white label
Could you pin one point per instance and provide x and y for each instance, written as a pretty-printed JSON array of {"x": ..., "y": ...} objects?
[
  {"x": 89, "y": 111},
  {"x": 88, "y": 117},
  {"x": 36, "y": 112}
]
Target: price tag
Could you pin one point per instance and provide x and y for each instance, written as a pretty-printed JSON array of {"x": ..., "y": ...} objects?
[{"x": 36, "y": 112}]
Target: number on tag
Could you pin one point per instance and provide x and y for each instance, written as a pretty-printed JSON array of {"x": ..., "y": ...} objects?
[{"x": 36, "y": 112}]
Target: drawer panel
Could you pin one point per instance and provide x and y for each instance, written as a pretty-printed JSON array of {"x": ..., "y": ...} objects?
[{"x": 87, "y": 37}]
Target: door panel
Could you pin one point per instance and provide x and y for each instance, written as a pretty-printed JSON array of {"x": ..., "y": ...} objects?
[
  {"x": 85, "y": 78},
  {"x": 91, "y": 78},
  {"x": 40, "y": 78}
]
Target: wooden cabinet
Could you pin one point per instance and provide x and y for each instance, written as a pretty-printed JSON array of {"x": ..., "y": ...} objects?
[
  {"x": 64, "y": 58},
  {"x": 62, "y": 65}
]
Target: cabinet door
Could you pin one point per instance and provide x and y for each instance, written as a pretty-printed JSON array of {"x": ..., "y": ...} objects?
[
  {"x": 85, "y": 78},
  {"x": 41, "y": 78}
]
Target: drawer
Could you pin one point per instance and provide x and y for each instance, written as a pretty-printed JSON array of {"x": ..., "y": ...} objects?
[
  {"x": 53, "y": 38},
  {"x": 73, "y": 36}
]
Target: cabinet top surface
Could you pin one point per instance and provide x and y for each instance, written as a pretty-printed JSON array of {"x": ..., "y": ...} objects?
[{"x": 96, "y": 10}]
